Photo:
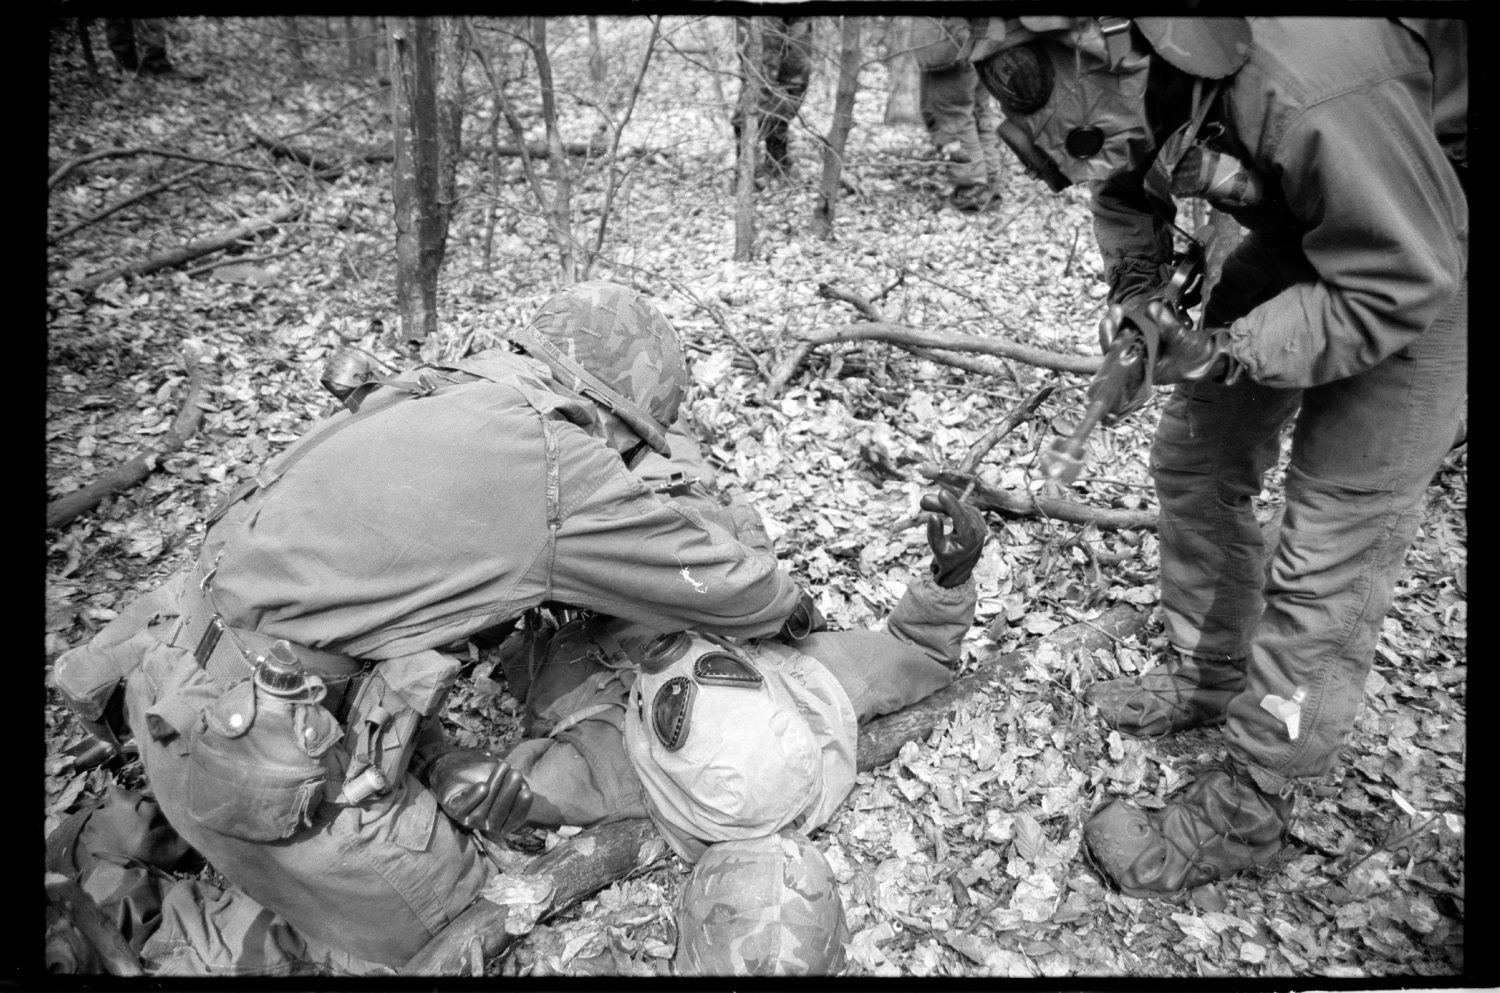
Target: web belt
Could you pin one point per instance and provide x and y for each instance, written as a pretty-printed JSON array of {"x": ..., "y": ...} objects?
[{"x": 229, "y": 654}]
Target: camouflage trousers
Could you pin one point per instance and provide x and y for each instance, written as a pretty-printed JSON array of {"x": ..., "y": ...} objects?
[
  {"x": 957, "y": 109},
  {"x": 138, "y": 43}
]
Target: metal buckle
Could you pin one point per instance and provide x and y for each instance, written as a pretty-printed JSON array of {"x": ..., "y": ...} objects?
[
  {"x": 210, "y": 640},
  {"x": 1116, "y": 32}
]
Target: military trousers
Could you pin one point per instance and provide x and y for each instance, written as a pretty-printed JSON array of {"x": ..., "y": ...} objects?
[
  {"x": 375, "y": 879},
  {"x": 957, "y": 108},
  {"x": 1304, "y": 616}
]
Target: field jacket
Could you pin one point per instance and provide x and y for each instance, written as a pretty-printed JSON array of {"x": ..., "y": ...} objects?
[
  {"x": 1357, "y": 126},
  {"x": 448, "y": 507}
]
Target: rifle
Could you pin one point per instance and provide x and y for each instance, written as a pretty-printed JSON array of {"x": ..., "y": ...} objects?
[{"x": 1122, "y": 384}]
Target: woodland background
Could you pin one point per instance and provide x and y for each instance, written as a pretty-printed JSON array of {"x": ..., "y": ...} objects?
[{"x": 959, "y": 857}]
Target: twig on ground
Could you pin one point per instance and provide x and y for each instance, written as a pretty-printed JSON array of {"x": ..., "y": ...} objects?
[
  {"x": 186, "y": 253},
  {"x": 992, "y": 437},
  {"x": 240, "y": 260},
  {"x": 115, "y": 153},
  {"x": 120, "y": 205},
  {"x": 912, "y": 338},
  {"x": 1017, "y": 503},
  {"x": 65, "y": 508}
]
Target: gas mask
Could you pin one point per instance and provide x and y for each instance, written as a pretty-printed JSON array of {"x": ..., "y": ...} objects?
[{"x": 1074, "y": 100}]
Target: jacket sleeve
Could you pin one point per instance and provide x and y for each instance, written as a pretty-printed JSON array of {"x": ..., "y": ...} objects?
[
  {"x": 1384, "y": 229},
  {"x": 1134, "y": 235},
  {"x": 623, "y": 550},
  {"x": 699, "y": 489},
  {"x": 934, "y": 619}
]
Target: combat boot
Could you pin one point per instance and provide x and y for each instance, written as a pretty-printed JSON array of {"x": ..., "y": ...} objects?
[
  {"x": 1182, "y": 693},
  {"x": 1221, "y": 824}
]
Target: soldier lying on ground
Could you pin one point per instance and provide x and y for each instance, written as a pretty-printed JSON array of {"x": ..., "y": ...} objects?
[{"x": 277, "y": 688}]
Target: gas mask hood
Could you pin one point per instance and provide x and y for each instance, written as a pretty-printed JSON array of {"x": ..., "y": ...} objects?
[
  {"x": 1073, "y": 95},
  {"x": 1073, "y": 89}
]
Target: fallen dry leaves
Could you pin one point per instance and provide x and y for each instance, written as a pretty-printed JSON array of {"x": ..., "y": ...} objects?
[{"x": 960, "y": 858}]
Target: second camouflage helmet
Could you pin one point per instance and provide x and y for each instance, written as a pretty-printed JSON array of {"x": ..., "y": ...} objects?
[
  {"x": 765, "y": 906},
  {"x": 609, "y": 343}
]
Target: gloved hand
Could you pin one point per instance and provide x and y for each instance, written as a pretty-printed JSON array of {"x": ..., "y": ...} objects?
[
  {"x": 1185, "y": 355},
  {"x": 480, "y": 792},
  {"x": 954, "y": 553},
  {"x": 804, "y": 619}
]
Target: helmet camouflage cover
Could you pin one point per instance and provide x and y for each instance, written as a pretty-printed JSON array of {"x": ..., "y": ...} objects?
[
  {"x": 765, "y": 906},
  {"x": 611, "y": 344}
]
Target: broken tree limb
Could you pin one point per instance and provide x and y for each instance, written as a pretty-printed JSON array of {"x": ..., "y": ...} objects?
[
  {"x": 65, "y": 508},
  {"x": 991, "y": 438},
  {"x": 969, "y": 363},
  {"x": 120, "y": 205},
  {"x": 577, "y": 868},
  {"x": 880, "y": 740},
  {"x": 913, "y": 338},
  {"x": 186, "y": 253},
  {"x": 786, "y": 369},
  {"x": 322, "y": 170},
  {"x": 63, "y": 170},
  {"x": 1017, "y": 503}
]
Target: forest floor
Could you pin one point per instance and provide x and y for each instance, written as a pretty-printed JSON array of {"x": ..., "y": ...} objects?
[{"x": 960, "y": 858}]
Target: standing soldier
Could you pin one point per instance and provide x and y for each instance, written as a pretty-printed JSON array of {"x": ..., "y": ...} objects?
[
  {"x": 1340, "y": 145},
  {"x": 785, "y": 68},
  {"x": 958, "y": 111}
]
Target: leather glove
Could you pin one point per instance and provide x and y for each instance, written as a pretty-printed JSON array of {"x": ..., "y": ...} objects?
[
  {"x": 1185, "y": 355},
  {"x": 954, "y": 553},
  {"x": 804, "y": 619},
  {"x": 480, "y": 792}
]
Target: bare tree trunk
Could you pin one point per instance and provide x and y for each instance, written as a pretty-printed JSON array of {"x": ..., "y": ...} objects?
[
  {"x": 596, "y": 53},
  {"x": 562, "y": 180},
  {"x": 294, "y": 44},
  {"x": 903, "y": 104},
  {"x": 838, "y": 129},
  {"x": 749, "y": 116},
  {"x": 426, "y": 59},
  {"x": 351, "y": 43}
]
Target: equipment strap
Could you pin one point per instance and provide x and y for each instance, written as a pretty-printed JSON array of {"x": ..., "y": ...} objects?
[{"x": 228, "y": 654}]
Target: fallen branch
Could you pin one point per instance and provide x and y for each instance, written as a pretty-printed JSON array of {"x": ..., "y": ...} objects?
[
  {"x": 65, "y": 508},
  {"x": 577, "y": 868},
  {"x": 166, "y": 153},
  {"x": 1018, "y": 503},
  {"x": 992, "y": 437},
  {"x": 786, "y": 369},
  {"x": 120, "y": 205},
  {"x": 913, "y": 338},
  {"x": 328, "y": 171},
  {"x": 880, "y": 740},
  {"x": 186, "y": 253},
  {"x": 977, "y": 364}
]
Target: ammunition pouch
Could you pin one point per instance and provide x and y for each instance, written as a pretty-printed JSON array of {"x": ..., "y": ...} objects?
[
  {"x": 259, "y": 763},
  {"x": 385, "y": 718}
]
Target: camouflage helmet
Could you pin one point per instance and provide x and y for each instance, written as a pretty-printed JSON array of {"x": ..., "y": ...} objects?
[
  {"x": 765, "y": 906},
  {"x": 609, "y": 343}
]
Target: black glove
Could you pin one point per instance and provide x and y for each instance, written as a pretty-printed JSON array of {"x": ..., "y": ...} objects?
[
  {"x": 954, "y": 554},
  {"x": 1185, "y": 355},
  {"x": 804, "y": 619},
  {"x": 480, "y": 792}
]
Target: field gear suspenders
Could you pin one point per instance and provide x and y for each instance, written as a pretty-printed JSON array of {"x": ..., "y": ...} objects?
[{"x": 421, "y": 383}]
